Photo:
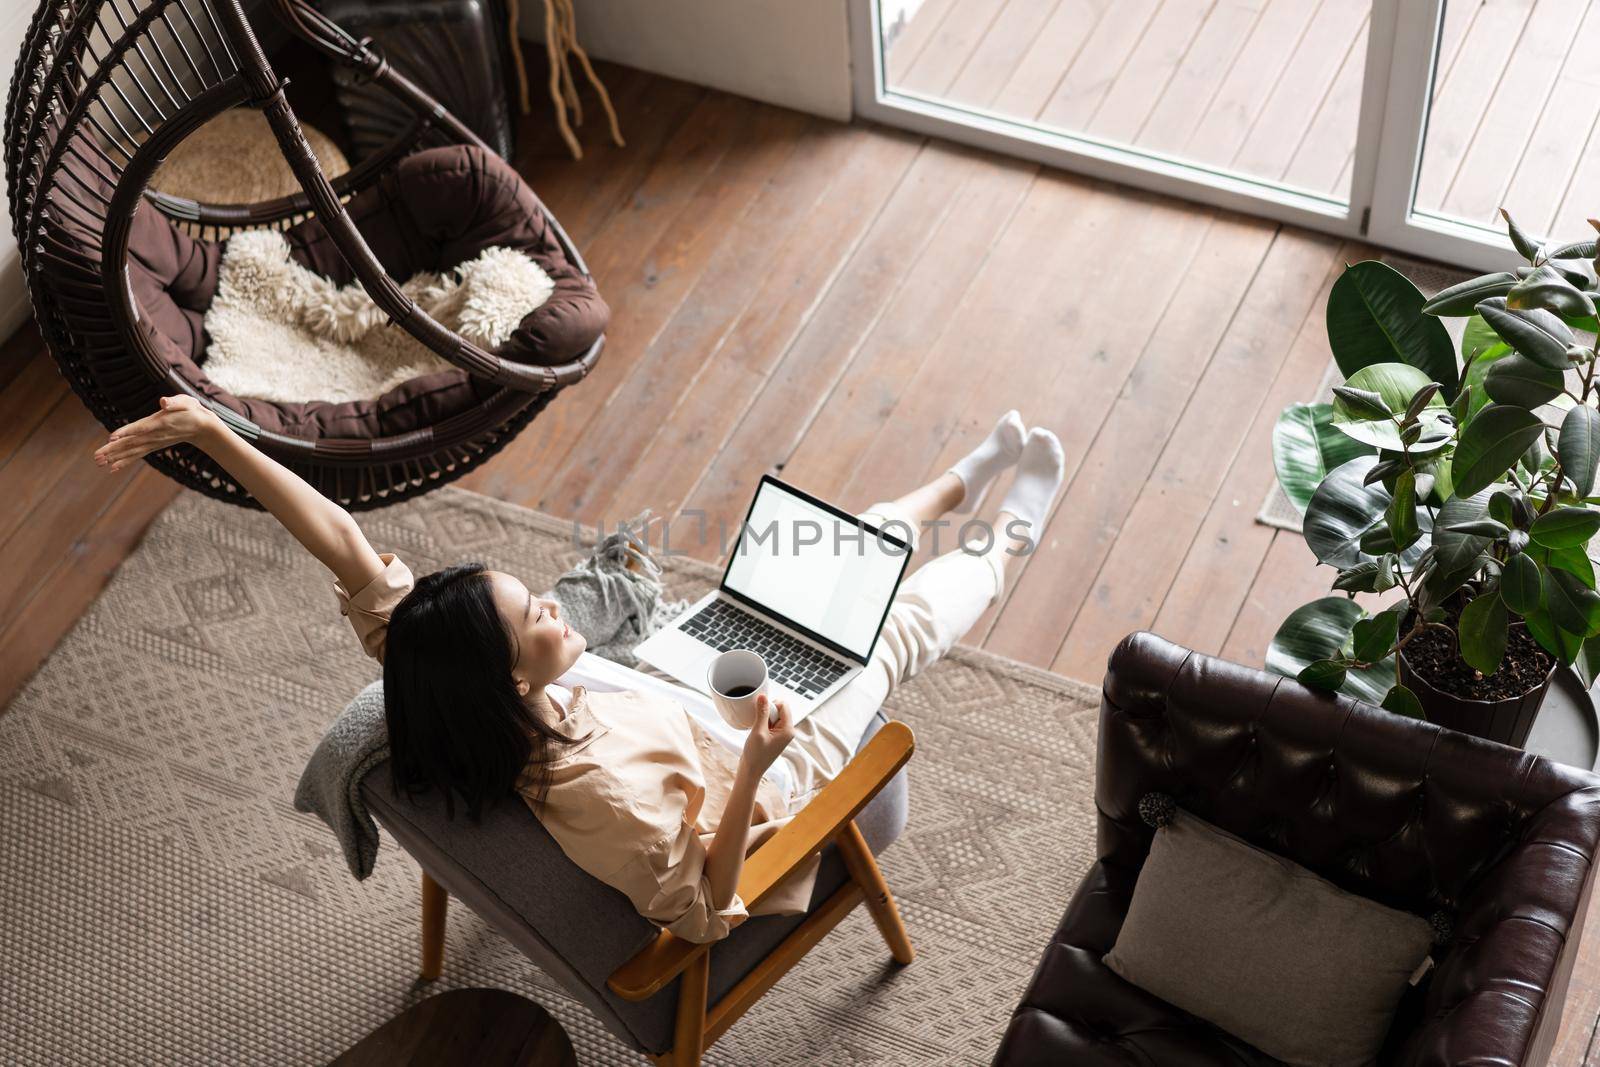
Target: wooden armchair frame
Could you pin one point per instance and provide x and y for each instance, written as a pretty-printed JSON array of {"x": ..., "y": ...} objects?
[{"x": 830, "y": 816}]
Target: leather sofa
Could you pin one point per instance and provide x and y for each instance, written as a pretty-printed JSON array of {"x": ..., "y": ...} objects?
[{"x": 1414, "y": 815}]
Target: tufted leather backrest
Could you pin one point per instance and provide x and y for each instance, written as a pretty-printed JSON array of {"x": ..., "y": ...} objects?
[{"x": 1398, "y": 810}]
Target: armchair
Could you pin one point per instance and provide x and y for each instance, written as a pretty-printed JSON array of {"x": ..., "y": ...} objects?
[
  {"x": 664, "y": 996},
  {"x": 1401, "y": 811}
]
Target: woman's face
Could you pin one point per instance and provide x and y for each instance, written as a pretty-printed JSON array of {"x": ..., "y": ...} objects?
[{"x": 546, "y": 648}]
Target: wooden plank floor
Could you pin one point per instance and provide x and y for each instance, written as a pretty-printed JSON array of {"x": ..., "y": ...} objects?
[
  {"x": 852, "y": 306},
  {"x": 1272, "y": 88}
]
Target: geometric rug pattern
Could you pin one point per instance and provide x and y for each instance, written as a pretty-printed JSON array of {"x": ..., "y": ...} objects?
[{"x": 163, "y": 902}]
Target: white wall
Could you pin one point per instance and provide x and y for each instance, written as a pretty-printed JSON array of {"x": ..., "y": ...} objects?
[
  {"x": 14, "y": 310},
  {"x": 795, "y": 53}
]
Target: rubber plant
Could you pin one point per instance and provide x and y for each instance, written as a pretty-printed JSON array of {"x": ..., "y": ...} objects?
[{"x": 1459, "y": 489}]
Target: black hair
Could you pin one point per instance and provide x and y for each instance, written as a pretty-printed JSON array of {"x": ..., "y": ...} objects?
[{"x": 456, "y": 720}]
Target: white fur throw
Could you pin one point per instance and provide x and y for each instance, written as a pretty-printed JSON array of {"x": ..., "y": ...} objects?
[{"x": 282, "y": 332}]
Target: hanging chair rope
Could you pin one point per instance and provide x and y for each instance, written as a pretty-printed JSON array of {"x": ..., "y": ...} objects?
[{"x": 561, "y": 44}]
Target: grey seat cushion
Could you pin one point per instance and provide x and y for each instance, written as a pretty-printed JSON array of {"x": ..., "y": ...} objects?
[
  {"x": 510, "y": 871},
  {"x": 1265, "y": 949}
]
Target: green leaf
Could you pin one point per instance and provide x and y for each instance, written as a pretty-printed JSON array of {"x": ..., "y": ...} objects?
[
  {"x": 1527, "y": 247},
  {"x": 1375, "y": 637},
  {"x": 1501, "y": 509},
  {"x": 1454, "y": 549},
  {"x": 1463, "y": 297},
  {"x": 1401, "y": 515},
  {"x": 1579, "y": 447},
  {"x": 1482, "y": 633},
  {"x": 1580, "y": 273},
  {"x": 1575, "y": 561},
  {"x": 1375, "y": 316},
  {"x": 1324, "y": 674},
  {"x": 1312, "y": 632},
  {"x": 1306, "y": 446},
  {"x": 1520, "y": 381},
  {"x": 1490, "y": 444},
  {"x": 1421, "y": 402},
  {"x": 1587, "y": 662},
  {"x": 1574, "y": 250},
  {"x": 1573, "y": 606},
  {"x": 1342, "y": 511},
  {"x": 1403, "y": 701},
  {"x": 1537, "y": 457},
  {"x": 1521, "y": 585},
  {"x": 1379, "y": 541},
  {"x": 1360, "y": 403},
  {"x": 1565, "y": 527},
  {"x": 1560, "y": 643},
  {"x": 1437, "y": 466},
  {"x": 1538, "y": 335},
  {"x": 1317, "y": 631},
  {"x": 1481, "y": 349},
  {"x": 1479, "y": 342},
  {"x": 1389, "y": 571},
  {"x": 1363, "y": 405},
  {"x": 1546, "y": 288},
  {"x": 1362, "y": 578},
  {"x": 1490, "y": 528}
]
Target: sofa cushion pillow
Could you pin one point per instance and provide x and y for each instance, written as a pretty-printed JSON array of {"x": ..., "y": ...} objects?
[{"x": 1264, "y": 949}]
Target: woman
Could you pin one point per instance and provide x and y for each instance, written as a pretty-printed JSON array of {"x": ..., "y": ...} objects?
[{"x": 638, "y": 782}]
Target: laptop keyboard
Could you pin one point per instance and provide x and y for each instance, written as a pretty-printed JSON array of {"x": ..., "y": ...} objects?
[{"x": 791, "y": 663}]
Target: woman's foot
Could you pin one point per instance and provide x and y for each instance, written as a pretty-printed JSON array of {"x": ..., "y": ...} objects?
[
  {"x": 1039, "y": 473},
  {"x": 979, "y": 468}
]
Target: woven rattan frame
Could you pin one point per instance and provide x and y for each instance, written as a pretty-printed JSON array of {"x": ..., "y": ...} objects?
[{"x": 110, "y": 87}]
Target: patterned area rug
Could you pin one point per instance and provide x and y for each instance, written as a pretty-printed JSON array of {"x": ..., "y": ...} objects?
[{"x": 165, "y": 904}]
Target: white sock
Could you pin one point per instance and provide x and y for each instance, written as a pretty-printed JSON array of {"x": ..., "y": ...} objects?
[
  {"x": 1039, "y": 475},
  {"x": 978, "y": 468}
]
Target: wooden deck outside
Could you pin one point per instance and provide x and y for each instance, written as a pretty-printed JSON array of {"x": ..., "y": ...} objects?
[
  {"x": 1272, "y": 88},
  {"x": 852, "y": 307}
]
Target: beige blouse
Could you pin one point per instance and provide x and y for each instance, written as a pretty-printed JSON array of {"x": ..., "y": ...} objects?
[{"x": 636, "y": 798}]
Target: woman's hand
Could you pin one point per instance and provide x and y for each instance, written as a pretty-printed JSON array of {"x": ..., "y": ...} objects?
[
  {"x": 181, "y": 420},
  {"x": 767, "y": 739}
]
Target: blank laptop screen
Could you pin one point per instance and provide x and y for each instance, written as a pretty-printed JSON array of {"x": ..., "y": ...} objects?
[{"x": 800, "y": 561}]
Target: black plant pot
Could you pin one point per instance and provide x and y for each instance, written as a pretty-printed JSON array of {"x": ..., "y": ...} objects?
[{"x": 1507, "y": 721}]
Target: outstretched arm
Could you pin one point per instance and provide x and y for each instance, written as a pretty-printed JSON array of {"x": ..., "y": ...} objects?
[{"x": 325, "y": 529}]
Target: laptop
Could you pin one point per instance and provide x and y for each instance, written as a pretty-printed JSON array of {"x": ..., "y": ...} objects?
[{"x": 807, "y": 587}]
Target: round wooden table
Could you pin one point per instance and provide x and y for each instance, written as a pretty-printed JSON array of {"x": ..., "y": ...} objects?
[{"x": 476, "y": 1027}]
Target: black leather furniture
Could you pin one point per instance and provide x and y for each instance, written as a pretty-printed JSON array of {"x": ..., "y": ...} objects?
[{"x": 1401, "y": 811}]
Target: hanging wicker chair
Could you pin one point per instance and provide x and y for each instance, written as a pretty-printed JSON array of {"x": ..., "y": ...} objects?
[{"x": 120, "y": 275}]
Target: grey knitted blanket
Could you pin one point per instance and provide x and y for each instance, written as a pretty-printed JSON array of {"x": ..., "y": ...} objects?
[{"x": 613, "y": 605}]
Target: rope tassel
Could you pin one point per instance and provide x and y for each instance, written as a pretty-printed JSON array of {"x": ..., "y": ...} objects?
[{"x": 561, "y": 44}]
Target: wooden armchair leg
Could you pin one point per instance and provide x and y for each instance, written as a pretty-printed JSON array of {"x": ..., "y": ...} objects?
[
  {"x": 689, "y": 1033},
  {"x": 880, "y": 902},
  {"x": 435, "y": 901}
]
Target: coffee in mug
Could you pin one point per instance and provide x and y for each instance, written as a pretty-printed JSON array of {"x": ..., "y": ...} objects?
[{"x": 736, "y": 678}]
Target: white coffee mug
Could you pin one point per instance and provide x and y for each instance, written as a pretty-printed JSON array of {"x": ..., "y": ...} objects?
[{"x": 735, "y": 679}]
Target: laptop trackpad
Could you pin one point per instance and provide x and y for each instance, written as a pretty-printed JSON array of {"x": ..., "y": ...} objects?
[
  {"x": 680, "y": 655},
  {"x": 688, "y": 659}
]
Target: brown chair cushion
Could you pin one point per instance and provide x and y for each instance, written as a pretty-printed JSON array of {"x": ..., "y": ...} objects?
[{"x": 434, "y": 210}]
